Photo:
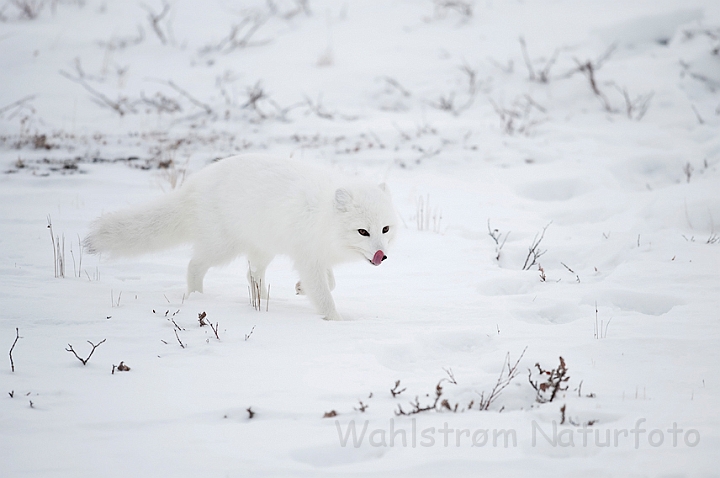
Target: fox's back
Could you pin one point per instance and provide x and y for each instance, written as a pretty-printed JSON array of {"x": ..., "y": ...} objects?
[{"x": 261, "y": 198}]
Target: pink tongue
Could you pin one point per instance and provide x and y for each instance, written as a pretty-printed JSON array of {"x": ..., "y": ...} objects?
[{"x": 378, "y": 258}]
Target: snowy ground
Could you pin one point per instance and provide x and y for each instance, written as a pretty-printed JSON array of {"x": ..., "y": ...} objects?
[{"x": 106, "y": 104}]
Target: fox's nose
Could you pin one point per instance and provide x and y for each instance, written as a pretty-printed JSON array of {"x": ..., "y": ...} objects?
[{"x": 384, "y": 257}]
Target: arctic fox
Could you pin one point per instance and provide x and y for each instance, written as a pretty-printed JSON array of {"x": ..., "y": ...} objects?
[{"x": 260, "y": 206}]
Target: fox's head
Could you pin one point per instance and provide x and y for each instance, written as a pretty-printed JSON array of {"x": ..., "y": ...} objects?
[{"x": 367, "y": 220}]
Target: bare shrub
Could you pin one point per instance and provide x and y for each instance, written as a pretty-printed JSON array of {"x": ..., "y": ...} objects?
[
  {"x": 191, "y": 98},
  {"x": 498, "y": 238},
  {"x": 636, "y": 108},
  {"x": 240, "y": 35},
  {"x": 396, "y": 390},
  {"x": 419, "y": 408},
  {"x": 18, "y": 105},
  {"x": 447, "y": 102},
  {"x": 688, "y": 170},
  {"x": 507, "y": 375},
  {"x": 155, "y": 18},
  {"x": 534, "y": 251},
  {"x": 518, "y": 117},
  {"x": 121, "y": 106},
  {"x": 542, "y": 75},
  {"x": 588, "y": 68},
  {"x": 121, "y": 43},
  {"x": 460, "y": 7},
  {"x": 28, "y": 9},
  {"x": 319, "y": 110},
  {"x": 549, "y": 382},
  {"x": 298, "y": 7}
]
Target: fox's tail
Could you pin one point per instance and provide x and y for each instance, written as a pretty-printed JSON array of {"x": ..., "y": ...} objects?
[{"x": 161, "y": 224}]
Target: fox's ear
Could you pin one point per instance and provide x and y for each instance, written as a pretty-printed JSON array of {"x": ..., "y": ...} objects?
[{"x": 343, "y": 199}]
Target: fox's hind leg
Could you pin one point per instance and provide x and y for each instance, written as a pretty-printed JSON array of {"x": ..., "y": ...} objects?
[
  {"x": 201, "y": 261},
  {"x": 196, "y": 273},
  {"x": 257, "y": 264}
]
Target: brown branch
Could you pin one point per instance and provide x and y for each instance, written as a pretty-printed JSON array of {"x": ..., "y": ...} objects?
[
  {"x": 175, "y": 324},
  {"x": 502, "y": 382},
  {"x": 85, "y": 360},
  {"x": 155, "y": 18},
  {"x": 29, "y": 9},
  {"x": 192, "y": 99},
  {"x": 395, "y": 84},
  {"x": 253, "y": 22},
  {"x": 214, "y": 329},
  {"x": 178, "y": 339},
  {"x": 533, "y": 252},
  {"x": 247, "y": 336},
  {"x": 19, "y": 102},
  {"x": 588, "y": 68},
  {"x": 543, "y": 76},
  {"x": 17, "y": 337},
  {"x": 116, "y": 106},
  {"x": 496, "y": 235},
  {"x": 395, "y": 391},
  {"x": 554, "y": 380},
  {"x": 451, "y": 376},
  {"x": 417, "y": 408}
]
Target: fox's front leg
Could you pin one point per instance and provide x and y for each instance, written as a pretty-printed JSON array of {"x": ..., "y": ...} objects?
[
  {"x": 330, "y": 278},
  {"x": 315, "y": 283}
]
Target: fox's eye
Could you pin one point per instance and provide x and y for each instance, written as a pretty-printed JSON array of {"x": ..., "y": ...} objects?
[
  {"x": 363, "y": 232},
  {"x": 386, "y": 229}
]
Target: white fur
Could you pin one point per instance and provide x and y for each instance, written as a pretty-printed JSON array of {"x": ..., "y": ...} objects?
[{"x": 260, "y": 207}]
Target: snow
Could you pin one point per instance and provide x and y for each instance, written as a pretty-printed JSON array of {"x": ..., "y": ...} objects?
[{"x": 411, "y": 93}]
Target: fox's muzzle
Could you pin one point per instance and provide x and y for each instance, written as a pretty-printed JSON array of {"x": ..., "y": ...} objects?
[{"x": 378, "y": 258}]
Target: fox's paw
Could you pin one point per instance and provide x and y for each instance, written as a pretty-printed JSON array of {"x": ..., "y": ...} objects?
[
  {"x": 298, "y": 289},
  {"x": 333, "y": 316}
]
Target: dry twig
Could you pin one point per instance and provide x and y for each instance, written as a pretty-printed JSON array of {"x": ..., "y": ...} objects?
[
  {"x": 17, "y": 337},
  {"x": 554, "y": 379},
  {"x": 507, "y": 375},
  {"x": 588, "y": 68},
  {"x": 395, "y": 391},
  {"x": 85, "y": 360},
  {"x": 497, "y": 236},
  {"x": 122, "y": 106},
  {"x": 418, "y": 408},
  {"x": 533, "y": 252},
  {"x": 542, "y": 76},
  {"x": 156, "y": 18}
]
